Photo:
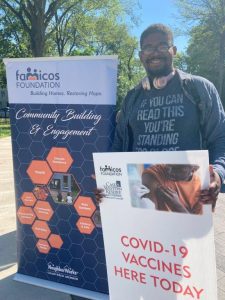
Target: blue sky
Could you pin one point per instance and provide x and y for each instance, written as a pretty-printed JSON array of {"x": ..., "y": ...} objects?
[{"x": 161, "y": 11}]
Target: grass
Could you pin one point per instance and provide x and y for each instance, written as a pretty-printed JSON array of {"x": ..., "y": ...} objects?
[{"x": 5, "y": 129}]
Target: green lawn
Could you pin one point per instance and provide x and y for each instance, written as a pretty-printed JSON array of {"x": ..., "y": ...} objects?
[{"x": 4, "y": 128}]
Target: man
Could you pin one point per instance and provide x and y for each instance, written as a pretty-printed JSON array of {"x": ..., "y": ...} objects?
[
  {"x": 173, "y": 187},
  {"x": 163, "y": 112}
]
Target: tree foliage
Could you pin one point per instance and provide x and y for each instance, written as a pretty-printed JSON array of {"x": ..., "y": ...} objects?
[{"x": 206, "y": 50}]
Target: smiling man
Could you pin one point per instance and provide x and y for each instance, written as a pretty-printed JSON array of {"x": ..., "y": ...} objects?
[
  {"x": 170, "y": 110},
  {"x": 157, "y": 52}
]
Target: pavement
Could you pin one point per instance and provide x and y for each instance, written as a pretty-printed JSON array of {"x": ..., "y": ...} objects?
[{"x": 11, "y": 290}]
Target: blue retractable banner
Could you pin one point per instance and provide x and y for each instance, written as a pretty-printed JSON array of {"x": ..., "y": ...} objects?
[{"x": 61, "y": 111}]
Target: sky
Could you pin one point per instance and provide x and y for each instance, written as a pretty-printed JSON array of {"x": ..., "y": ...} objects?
[{"x": 159, "y": 11}]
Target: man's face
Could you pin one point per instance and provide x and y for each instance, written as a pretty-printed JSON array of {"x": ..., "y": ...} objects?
[{"x": 157, "y": 63}]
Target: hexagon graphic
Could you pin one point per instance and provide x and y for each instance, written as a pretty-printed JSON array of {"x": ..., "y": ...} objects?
[
  {"x": 63, "y": 188},
  {"x": 28, "y": 199},
  {"x": 43, "y": 246},
  {"x": 41, "y": 229},
  {"x": 59, "y": 159},
  {"x": 40, "y": 192},
  {"x": 85, "y": 225},
  {"x": 39, "y": 172},
  {"x": 26, "y": 215},
  {"x": 84, "y": 206},
  {"x": 55, "y": 241},
  {"x": 43, "y": 210}
]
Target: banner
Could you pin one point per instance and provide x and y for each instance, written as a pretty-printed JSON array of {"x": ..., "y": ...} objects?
[
  {"x": 61, "y": 111},
  {"x": 158, "y": 237}
]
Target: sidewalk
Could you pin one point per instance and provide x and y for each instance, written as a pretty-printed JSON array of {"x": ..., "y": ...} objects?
[{"x": 11, "y": 290}]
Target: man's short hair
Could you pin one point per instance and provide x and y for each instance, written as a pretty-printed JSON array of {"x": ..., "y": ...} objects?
[{"x": 157, "y": 28}]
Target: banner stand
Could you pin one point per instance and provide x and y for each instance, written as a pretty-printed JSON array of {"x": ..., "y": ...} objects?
[
  {"x": 59, "y": 287},
  {"x": 60, "y": 113}
]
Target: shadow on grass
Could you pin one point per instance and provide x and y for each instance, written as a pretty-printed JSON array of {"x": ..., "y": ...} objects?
[{"x": 5, "y": 128}]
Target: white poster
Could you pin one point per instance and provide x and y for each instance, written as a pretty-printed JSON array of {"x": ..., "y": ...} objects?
[{"x": 158, "y": 238}]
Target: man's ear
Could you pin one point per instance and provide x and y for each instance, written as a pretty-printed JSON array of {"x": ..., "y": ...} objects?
[{"x": 174, "y": 49}]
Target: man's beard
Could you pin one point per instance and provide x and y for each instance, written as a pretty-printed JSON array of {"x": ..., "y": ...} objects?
[
  {"x": 152, "y": 73},
  {"x": 164, "y": 69}
]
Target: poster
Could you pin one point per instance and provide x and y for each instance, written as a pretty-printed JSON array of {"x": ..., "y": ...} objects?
[
  {"x": 60, "y": 113},
  {"x": 158, "y": 239}
]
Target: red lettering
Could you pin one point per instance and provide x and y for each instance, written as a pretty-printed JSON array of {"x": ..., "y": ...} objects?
[
  {"x": 188, "y": 291},
  {"x": 122, "y": 240},
  {"x": 177, "y": 287},
  {"x": 165, "y": 284},
  {"x": 177, "y": 269},
  {"x": 126, "y": 256},
  {"x": 134, "y": 243},
  {"x": 187, "y": 273},
  {"x": 126, "y": 273},
  {"x": 145, "y": 243},
  {"x": 130, "y": 274},
  {"x": 158, "y": 247},
  {"x": 154, "y": 280},
  {"x": 150, "y": 260}
]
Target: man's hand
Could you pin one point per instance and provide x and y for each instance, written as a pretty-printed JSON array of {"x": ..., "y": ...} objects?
[
  {"x": 210, "y": 195},
  {"x": 99, "y": 194}
]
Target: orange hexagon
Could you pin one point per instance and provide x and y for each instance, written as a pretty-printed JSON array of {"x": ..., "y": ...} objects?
[
  {"x": 55, "y": 241},
  {"x": 41, "y": 229},
  {"x": 84, "y": 206},
  {"x": 26, "y": 215},
  {"x": 28, "y": 199},
  {"x": 59, "y": 159},
  {"x": 39, "y": 172},
  {"x": 43, "y": 246},
  {"x": 43, "y": 210},
  {"x": 85, "y": 225}
]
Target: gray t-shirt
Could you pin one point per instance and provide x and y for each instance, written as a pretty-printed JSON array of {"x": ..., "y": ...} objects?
[{"x": 165, "y": 120}]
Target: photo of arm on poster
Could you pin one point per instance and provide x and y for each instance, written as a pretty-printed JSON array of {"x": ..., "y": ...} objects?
[{"x": 165, "y": 187}]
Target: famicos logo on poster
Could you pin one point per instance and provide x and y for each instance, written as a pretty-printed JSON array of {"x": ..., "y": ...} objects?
[
  {"x": 111, "y": 171},
  {"x": 37, "y": 79}
]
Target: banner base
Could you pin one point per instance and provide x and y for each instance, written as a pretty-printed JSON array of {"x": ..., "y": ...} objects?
[{"x": 59, "y": 287}]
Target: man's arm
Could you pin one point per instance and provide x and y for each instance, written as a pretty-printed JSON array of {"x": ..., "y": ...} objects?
[
  {"x": 213, "y": 127},
  {"x": 213, "y": 131}
]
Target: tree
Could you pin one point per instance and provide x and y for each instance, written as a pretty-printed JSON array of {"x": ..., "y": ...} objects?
[
  {"x": 210, "y": 16},
  {"x": 202, "y": 53},
  {"x": 14, "y": 42},
  {"x": 35, "y": 18}
]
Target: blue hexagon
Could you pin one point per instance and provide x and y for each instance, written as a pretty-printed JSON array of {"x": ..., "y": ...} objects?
[
  {"x": 76, "y": 250},
  {"x": 89, "y": 260},
  {"x": 89, "y": 246}
]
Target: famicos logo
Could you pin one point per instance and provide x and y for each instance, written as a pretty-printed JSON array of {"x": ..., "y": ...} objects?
[
  {"x": 37, "y": 79},
  {"x": 108, "y": 170}
]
